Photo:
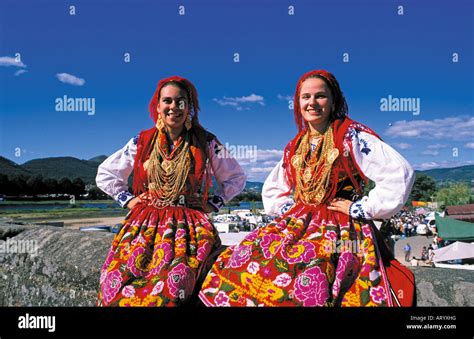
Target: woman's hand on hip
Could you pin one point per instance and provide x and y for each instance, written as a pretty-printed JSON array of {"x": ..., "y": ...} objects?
[
  {"x": 137, "y": 200},
  {"x": 340, "y": 205}
]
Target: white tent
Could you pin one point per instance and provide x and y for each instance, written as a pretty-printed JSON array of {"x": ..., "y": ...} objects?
[{"x": 457, "y": 250}]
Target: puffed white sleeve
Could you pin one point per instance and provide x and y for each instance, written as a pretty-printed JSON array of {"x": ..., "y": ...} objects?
[
  {"x": 275, "y": 196},
  {"x": 230, "y": 177},
  {"x": 392, "y": 174},
  {"x": 113, "y": 173}
]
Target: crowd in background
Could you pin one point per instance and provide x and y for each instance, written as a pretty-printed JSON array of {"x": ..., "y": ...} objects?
[{"x": 404, "y": 225}]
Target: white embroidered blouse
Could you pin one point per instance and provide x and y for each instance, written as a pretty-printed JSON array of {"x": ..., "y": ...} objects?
[
  {"x": 392, "y": 174},
  {"x": 113, "y": 173}
]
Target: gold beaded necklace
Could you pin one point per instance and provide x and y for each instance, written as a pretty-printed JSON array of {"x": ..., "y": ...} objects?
[
  {"x": 313, "y": 168},
  {"x": 167, "y": 174}
]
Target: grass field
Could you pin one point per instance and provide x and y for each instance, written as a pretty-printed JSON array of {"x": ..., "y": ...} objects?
[{"x": 67, "y": 210}]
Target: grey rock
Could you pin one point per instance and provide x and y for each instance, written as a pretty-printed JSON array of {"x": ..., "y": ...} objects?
[
  {"x": 444, "y": 286},
  {"x": 64, "y": 271},
  {"x": 8, "y": 229}
]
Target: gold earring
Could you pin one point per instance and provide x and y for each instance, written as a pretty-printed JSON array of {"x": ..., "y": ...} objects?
[
  {"x": 188, "y": 124},
  {"x": 159, "y": 123}
]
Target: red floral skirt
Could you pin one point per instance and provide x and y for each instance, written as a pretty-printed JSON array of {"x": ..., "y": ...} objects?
[
  {"x": 156, "y": 257},
  {"x": 309, "y": 257}
]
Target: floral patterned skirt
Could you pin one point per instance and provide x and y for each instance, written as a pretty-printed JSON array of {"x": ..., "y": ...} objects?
[
  {"x": 311, "y": 256},
  {"x": 156, "y": 257}
]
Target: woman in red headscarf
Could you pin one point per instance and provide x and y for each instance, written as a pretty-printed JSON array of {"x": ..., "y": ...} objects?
[
  {"x": 322, "y": 249},
  {"x": 166, "y": 238}
]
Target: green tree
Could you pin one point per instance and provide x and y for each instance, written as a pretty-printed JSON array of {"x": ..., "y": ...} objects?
[
  {"x": 19, "y": 186},
  {"x": 52, "y": 186},
  {"x": 79, "y": 187},
  {"x": 4, "y": 184},
  {"x": 66, "y": 186},
  {"x": 454, "y": 194},
  {"x": 95, "y": 192},
  {"x": 36, "y": 185},
  {"x": 423, "y": 189}
]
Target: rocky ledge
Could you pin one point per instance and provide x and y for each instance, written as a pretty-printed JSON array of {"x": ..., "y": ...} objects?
[{"x": 55, "y": 266}]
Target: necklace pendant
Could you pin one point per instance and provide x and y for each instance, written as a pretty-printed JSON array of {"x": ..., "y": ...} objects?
[
  {"x": 167, "y": 166},
  {"x": 307, "y": 174},
  {"x": 145, "y": 164},
  {"x": 333, "y": 154}
]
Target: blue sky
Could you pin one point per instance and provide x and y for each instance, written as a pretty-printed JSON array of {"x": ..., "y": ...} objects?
[{"x": 244, "y": 103}]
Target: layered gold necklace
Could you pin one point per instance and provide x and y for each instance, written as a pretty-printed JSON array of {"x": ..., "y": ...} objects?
[
  {"x": 313, "y": 167},
  {"x": 167, "y": 173}
]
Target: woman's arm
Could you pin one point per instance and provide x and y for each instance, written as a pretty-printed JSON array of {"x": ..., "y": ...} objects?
[
  {"x": 229, "y": 175},
  {"x": 275, "y": 196},
  {"x": 392, "y": 174},
  {"x": 113, "y": 173}
]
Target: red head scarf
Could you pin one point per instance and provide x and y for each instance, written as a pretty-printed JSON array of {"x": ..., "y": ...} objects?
[
  {"x": 182, "y": 83},
  {"x": 340, "y": 105}
]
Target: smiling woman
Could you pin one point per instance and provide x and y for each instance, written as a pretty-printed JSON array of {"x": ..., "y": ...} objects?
[
  {"x": 323, "y": 249},
  {"x": 166, "y": 238}
]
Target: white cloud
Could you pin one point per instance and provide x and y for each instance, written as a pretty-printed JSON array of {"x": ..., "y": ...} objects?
[
  {"x": 9, "y": 61},
  {"x": 20, "y": 72},
  {"x": 267, "y": 155},
  {"x": 258, "y": 168},
  {"x": 70, "y": 79},
  {"x": 453, "y": 128},
  {"x": 403, "y": 145},
  {"x": 437, "y": 146},
  {"x": 469, "y": 145},
  {"x": 269, "y": 163},
  {"x": 238, "y": 102},
  {"x": 225, "y": 103},
  {"x": 284, "y": 97},
  {"x": 441, "y": 164},
  {"x": 261, "y": 169},
  {"x": 240, "y": 108},
  {"x": 430, "y": 152}
]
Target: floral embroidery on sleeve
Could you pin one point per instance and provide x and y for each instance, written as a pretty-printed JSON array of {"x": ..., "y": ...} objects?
[
  {"x": 356, "y": 210},
  {"x": 217, "y": 202},
  {"x": 124, "y": 197},
  {"x": 286, "y": 207},
  {"x": 364, "y": 147},
  {"x": 126, "y": 151}
]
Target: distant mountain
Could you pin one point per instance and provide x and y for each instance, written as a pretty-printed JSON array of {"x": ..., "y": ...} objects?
[
  {"x": 72, "y": 168},
  {"x": 100, "y": 159},
  {"x": 253, "y": 186},
  {"x": 458, "y": 174},
  {"x": 9, "y": 168},
  {"x": 61, "y": 167}
]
